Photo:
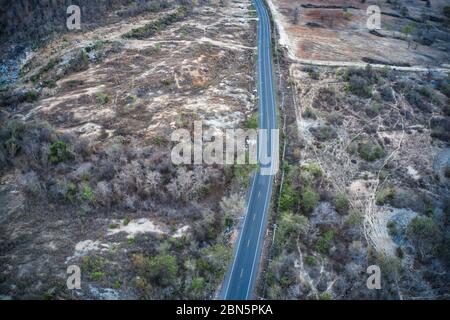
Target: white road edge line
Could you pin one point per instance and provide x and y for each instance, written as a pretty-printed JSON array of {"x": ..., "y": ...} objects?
[
  {"x": 256, "y": 251},
  {"x": 240, "y": 239}
]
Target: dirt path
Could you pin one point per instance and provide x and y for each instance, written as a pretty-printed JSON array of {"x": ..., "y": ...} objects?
[{"x": 324, "y": 63}]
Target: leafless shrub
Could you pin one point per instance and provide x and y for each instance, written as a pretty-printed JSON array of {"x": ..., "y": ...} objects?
[
  {"x": 83, "y": 171},
  {"x": 104, "y": 170},
  {"x": 163, "y": 164},
  {"x": 187, "y": 184},
  {"x": 59, "y": 190},
  {"x": 132, "y": 177},
  {"x": 131, "y": 202},
  {"x": 233, "y": 205},
  {"x": 295, "y": 15},
  {"x": 82, "y": 147},
  {"x": 325, "y": 98},
  {"x": 103, "y": 193},
  {"x": 2, "y": 157},
  {"x": 203, "y": 229},
  {"x": 31, "y": 185},
  {"x": 148, "y": 205},
  {"x": 440, "y": 128},
  {"x": 152, "y": 182},
  {"x": 31, "y": 149},
  {"x": 46, "y": 133},
  {"x": 118, "y": 190},
  {"x": 180, "y": 185}
]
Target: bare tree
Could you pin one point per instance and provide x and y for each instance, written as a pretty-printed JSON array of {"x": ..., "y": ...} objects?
[{"x": 295, "y": 15}]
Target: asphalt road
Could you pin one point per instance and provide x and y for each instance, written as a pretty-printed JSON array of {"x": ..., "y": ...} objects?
[{"x": 240, "y": 280}]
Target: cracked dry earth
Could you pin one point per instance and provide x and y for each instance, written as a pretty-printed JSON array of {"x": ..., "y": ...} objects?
[{"x": 124, "y": 105}]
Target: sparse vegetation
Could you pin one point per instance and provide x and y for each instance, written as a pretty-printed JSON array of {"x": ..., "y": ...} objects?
[
  {"x": 384, "y": 195},
  {"x": 323, "y": 133},
  {"x": 347, "y": 15},
  {"x": 163, "y": 269},
  {"x": 355, "y": 218},
  {"x": 287, "y": 197},
  {"x": 87, "y": 193},
  {"x": 49, "y": 83},
  {"x": 290, "y": 226},
  {"x": 334, "y": 118},
  {"x": 386, "y": 93},
  {"x": 153, "y": 27},
  {"x": 97, "y": 275},
  {"x": 159, "y": 140},
  {"x": 374, "y": 109},
  {"x": 446, "y": 13},
  {"x": 370, "y": 151},
  {"x": 382, "y": 118},
  {"x": 167, "y": 82},
  {"x": 313, "y": 168},
  {"x": 326, "y": 98},
  {"x": 341, "y": 203},
  {"x": 426, "y": 235},
  {"x": 243, "y": 173},
  {"x": 310, "y": 261},
  {"x": 309, "y": 113},
  {"x": 45, "y": 69},
  {"x": 31, "y": 96},
  {"x": 252, "y": 122},
  {"x": 325, "y": 296},
  {"x": 106, "y": 160},
  {"x": 59, "y": 152},
  {"x": 94, "y": 266},
  {"x": 102, "y": 97},
  {"x": 79, "y": 62},
  {"x": 309, "y": 199},
  {"x": 312, "y": 72},
  {"x": 325, "y": 242},
  {"x": 359, "y": 86}
]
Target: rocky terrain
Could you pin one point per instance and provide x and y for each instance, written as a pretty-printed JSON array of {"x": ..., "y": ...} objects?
[
  {"x": 85, "y": 141},
  {"x": 365, "y": 178}
]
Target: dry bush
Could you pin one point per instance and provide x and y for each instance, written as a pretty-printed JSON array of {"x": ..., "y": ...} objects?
[
  {"x": 187, "y": 184},
  {"x": 325, "y": 99},
  {"x": 31, "y": 185}
]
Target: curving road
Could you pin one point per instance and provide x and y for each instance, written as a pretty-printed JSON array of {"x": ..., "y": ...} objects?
[{"x": 240, "y": 280}]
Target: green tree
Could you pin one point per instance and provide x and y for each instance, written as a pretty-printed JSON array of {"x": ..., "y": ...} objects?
[
  {"x": 290, "y": 226},
  {"x": 59, "y": 152},
  {"x": 196, "y": 288},
  {"x": 287, "y": 197},
  {"x": 163, "y": 269},
  {"x": 408, "y": 30},
  {"x": 310, "y": 198},
  {"x": 324, "y": 244},
  {"x": 424, "y": 232},
  {"x": 341, "y": 203}
]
